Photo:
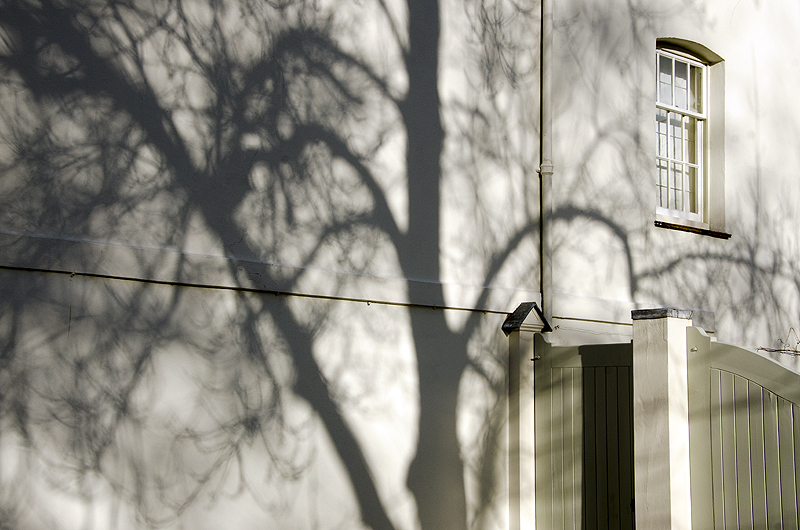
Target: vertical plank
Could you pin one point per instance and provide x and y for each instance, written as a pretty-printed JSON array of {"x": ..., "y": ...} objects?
[
  {"x": 716, "y": 449},
  {"x": 796, "y": 424},
  {"x": 612, "y": 445},
  {"x": 758, "y": 478},
  {"x": 729, "y": 482},
  {"x": 701, "y": 429},
  {"x": 772, "y": 460},
  {"x": 625, "y": 400},
  {"x": 602, "y": 447},
  {"x": 557, "y": 451},
  {"x": 542, "y": 377},
  {"x": 590, "y": 450},
  {"x": 741, "y": 408},
  {"x": 796, "y": 437},
  {"x": 786, "y": 457},
  {"x": 578, "y": 448},
  {"x": 568, "y": 450}
]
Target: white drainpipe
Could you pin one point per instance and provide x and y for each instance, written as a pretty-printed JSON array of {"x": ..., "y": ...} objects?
[{"x": 546, "y": 160}]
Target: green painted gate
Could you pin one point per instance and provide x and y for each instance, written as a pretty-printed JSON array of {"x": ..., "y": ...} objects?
[{"x": 583, "y": 436}]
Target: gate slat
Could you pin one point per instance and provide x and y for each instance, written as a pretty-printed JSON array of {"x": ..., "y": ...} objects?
[
  {"x": 601, "y": 447},
  {"x": 744, "y": 490},
  {"x": 758, "y": 477},
  {"x": 625, "y": 399},
  {"x": 612, "y": 445},
  {"x": 729, "y": 483},
  {"x": 772, "y": 461},
  {"x": 590, "y": 473},
  {"x": 786, "y": 458},
  {"x": 716, "y": 449}
]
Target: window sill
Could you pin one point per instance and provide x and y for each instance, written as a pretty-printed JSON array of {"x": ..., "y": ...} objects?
[{"x": 692, "y": 229}]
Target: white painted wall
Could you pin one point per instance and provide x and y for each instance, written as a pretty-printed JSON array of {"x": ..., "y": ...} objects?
[
  {"x": 132, "y": 235},
  {"x": 609, "y": 256},
  {"x": 204, "y": 325}
]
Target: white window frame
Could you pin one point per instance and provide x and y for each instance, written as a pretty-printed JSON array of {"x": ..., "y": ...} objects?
[{"x": 680, "y": 197}]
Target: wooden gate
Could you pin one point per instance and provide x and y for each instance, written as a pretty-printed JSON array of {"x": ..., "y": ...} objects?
[
  {"x": 744, "y": 438},
  {"x": 584, "y": 436}
]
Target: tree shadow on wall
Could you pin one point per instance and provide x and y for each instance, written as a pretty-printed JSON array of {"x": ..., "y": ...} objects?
[
  {"x": 605, "y": 199},
  {"x": 258, "y": 133}
]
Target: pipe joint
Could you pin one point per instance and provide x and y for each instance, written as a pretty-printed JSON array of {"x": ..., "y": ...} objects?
[{"x": 547, "y": 168}]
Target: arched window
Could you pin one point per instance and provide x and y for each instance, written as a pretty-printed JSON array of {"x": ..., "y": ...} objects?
[{"x": 690, "y": 136}]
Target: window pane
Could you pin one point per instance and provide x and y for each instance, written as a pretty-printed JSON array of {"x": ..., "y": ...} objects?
[
  {"x": 693, "y": 206},
  {"x": 663, "y": 184},
  {"x": 676, "y": 130},
  {"x": 697, "y": 89},
  {"x": 676, "y": 187},
  {"x": 691, "y": 140},
  {"x": 681, "y": 85},
  {"x": 664, "y": 80},
  {"x": 661, "y": 133}
]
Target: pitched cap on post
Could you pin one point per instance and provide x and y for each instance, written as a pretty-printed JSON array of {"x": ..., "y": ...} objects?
[{"x": 526, "y": 317}]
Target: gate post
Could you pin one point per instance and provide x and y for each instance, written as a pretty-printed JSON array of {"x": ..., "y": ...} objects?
[
  {"x": 520, "y": 327},
  {"x": 661, "y": 419}
]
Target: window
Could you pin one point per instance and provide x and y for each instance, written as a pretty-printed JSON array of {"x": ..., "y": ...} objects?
[
  {"x": 680, "y": 132},
  {"x": 690, "y": 137}
]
